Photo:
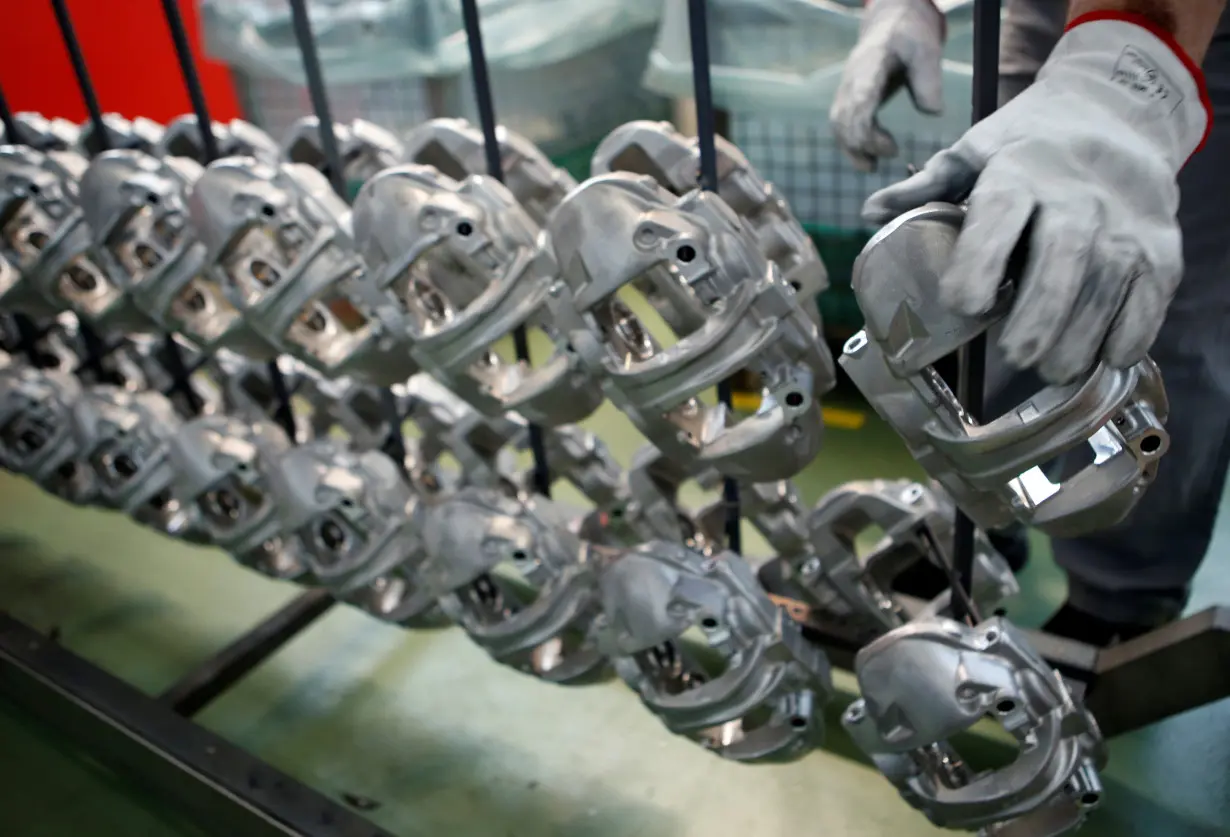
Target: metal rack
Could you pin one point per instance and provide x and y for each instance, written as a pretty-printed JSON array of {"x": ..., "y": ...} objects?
[{"x": 1171, "y": 670}]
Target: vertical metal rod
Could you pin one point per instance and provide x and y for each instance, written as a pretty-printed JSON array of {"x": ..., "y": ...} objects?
[
  {"x": 84, "y": 82},
  {"x": 972, "y": 359},
  {"x": 495, "y": 168},
  {"x": 706, "y": 130},
  {"x": 12, "y": 131},
  {"x": 95, "y": 348},
  {"x": 192, "y": 79},
  {"x": 196, "y": 93},
  {"x": 395, "y": 445},
  {"x": 316, "y": 92}
]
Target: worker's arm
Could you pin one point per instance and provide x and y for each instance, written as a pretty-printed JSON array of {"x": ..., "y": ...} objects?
[
  {"x": 1080, "y": 173},
  {"x": 1190, "y": 22}
]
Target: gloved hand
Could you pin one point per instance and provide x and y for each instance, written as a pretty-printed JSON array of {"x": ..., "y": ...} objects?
[
  {"x": 1081, "y": 169},
  {"x": 900, "y": 42}
]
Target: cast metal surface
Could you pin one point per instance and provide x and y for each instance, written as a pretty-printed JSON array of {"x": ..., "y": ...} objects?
[
  {"x": 925, "y": 682},
  {"x": 41, "y": 133},
  {"x": 43, "y": 235},
  {"x": 222, "y": 466},
  {"x": 365, "y": 147},
  {"x": 278, "y": 247},
  {"x": 237, "y": 138},
  {"x": 994, "y": 470},
  {"x": 135, "y": 207},
  {"x": 466, "y": 264},
  {"x": 710, "y": 654},
  {"x": 38, "y": 436},
  {"x": 139, "y": 134},
  {"x": 517, "y": 581},
  {"x": 483, "y": 448},
  {"x": 355, "y": 522},
  {"x": 658, "y": 150},
  {"x": 125, "y": 438},
  {"x": 832, "y": 574},
  {"x": 738, "y": 314},
  {"x": 456, "y": 149}
]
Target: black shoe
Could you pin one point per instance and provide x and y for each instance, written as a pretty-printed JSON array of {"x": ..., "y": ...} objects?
[{"x": 1092, "y": 630}]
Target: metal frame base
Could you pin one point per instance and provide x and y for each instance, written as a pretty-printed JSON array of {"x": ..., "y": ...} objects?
[{"x": 223, "y": 787}]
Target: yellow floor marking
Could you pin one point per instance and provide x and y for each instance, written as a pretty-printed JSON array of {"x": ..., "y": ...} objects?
[{"x": 838, "y": 417}]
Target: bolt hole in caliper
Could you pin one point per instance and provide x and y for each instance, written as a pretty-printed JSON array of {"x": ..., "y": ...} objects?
[{"x": 927, "y": 681}]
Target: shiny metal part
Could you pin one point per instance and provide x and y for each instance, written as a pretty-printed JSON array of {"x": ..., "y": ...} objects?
[
  {"x": 38, "y": 435},
  {"x": 483, "y": 448},
  {"x": 139, "y": 134},
  {"x": 710, "y": 654},
  {"x": 456, "y": 148},
  {"x": 465, "y": 264},
  {"x": 580, "y": 458},
  {"x": 844, "y": 579},
  {"x": 925, "y": 682},
  {"x": 658, "y": 150},
  {"x": 247, "y": 391},
  {"x": 356, "y": 524},
  {"x": 237, "y": 138},
  {"x": 58, "y": 346},
  {"x": 516, "y": 581},
  {"x": 656, "y": 511},
  {"x": 365, "y": 148},
  {"x": 43, "y": 236},
  {"x": 221, "y": 466},
  {"x": 278, "y": 246},
  {"x": 125, "y": 437},
  {"x": 994, "y": 471},
  {"x": 776, "y": 512},
  {"x": 737, "y": 314},
  {"x": 135, "y": 207},
  {"x": 41, "y": 133}
]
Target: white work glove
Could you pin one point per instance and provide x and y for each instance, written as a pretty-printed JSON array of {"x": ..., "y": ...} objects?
[
  {"x": 1081, "y": 169},
  {"x": 900, "y": 42}
]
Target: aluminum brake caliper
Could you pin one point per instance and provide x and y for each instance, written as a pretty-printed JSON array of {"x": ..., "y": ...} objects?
[
  {"x": 927, "y": 681},
  {"x": 994, "y": 470},
  {"x": 467, "y": 266},
  {"x": 619, "y": 229},
  {"x": 658, "y": 150}
]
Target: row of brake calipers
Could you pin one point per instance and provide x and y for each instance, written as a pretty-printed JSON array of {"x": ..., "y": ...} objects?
[
  {"x": 258, "y": 256},
  {"x": 688, "y": 627}
]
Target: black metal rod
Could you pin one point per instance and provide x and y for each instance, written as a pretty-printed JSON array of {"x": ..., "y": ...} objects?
[
  {"x": 972, "y": 359},
  {"x": 207, "y": 681},
  {"x": 395, "y": 445},
  {"x": 12, "y": 131},
  {"x": 283, "y": 410},
  {"x": 495, "y": 168},
  {"x": 95, "y": 350},
  {"x": 71, "y": 43},
  {"x": 195, "y": 772},
  {"x": 706, "y": 131},
  {"x": 316, "y": 92},
  {"x": 192, "y": 78}
]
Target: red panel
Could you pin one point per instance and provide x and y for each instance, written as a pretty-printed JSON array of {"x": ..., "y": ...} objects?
[{"x": 128, "y": 50}]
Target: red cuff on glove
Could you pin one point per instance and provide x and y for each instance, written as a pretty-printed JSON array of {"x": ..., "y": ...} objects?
[{"x": 1169, "y": 40}]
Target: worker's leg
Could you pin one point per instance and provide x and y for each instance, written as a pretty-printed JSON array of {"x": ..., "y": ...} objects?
[{"x": 1138, "y": 572}]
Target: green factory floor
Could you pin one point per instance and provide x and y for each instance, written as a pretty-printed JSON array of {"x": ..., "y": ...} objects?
[{"x": 447, "y": 743}]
